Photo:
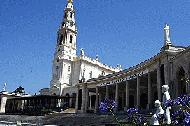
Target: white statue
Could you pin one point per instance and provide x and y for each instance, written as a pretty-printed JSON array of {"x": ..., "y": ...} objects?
[
  {"x": 159, "y": 111},
  {"x": 97, "y": 58},
  {"x": 4, "y": 86},
  {"x": 166, "y": 96},
  {"x": 167, "y": 34},
  {"x": 82, "y": 52}
]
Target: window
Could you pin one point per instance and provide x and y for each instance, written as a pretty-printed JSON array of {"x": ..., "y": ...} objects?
[
  {"x": 65, "y": 15},
  {"x": 60, "y": 40},
  {"x": 57, "y": 59},
  {"x": 71, "y": 38},
  {"x": 63, "y": 24},
  {"x": 103, "y": 73},
  {"x": 57, "y": 71},
  {"x": 90, "y": 74},
  {"x": 71, "y": 15}
]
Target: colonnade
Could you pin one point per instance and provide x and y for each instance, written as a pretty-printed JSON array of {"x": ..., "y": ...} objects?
[
  {"x": 135, "y": 91},
  {"x": 130, "y": 87}
]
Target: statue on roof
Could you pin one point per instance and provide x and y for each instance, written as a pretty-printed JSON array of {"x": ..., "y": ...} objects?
[
  {"x": 167, "y": 35},
  {"x": 82, "y": 52},
  {"x": 4, "y": 86}
]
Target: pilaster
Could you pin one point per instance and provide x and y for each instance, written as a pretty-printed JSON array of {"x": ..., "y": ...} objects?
[
  {"x": 96, "y": 103},
  {"x": 116, "y": 94},
  {"x": 127, "y": 93},
  {"x": 87, "y": 99},
  {"x": 149, "y": 91},
  {"x": 83, "y": 107},
  {"x": 166, "y": 72},
  {"x": 158, "y": 81},
  {"x": 138, "y": 91},
  {"x": 76, "y": 102},
  {"x": 107, "y": 91}
]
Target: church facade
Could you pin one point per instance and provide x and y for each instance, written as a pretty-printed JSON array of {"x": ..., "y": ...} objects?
[{"x": 138, "y": 86}]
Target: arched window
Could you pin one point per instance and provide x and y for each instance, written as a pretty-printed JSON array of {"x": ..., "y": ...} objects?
[
  {"x": 57, "y": 71},
  {"x": 103, "y": 73},
  {"x": 71, "y": 15},
  {"x": 60, "y": 40},
  {"x": 90, "y": 74},
  {"x": 71, "y": 38}
]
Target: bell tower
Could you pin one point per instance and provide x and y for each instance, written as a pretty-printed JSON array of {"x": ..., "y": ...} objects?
[
  {"x": 65, "y": 51},
  {"x": 66, "y": 38}
]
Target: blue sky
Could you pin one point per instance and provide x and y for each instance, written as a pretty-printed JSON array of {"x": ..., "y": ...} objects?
[{"x": 122, "y": 32}]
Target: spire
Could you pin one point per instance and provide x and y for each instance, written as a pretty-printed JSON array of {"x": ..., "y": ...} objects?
[{"x": 167, "y": 35}]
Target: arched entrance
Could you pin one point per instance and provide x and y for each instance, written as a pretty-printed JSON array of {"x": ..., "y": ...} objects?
[
  {"x": 73, "y": 100},
  {"x": 181, "y": 81},
  {"x": 131, "y": 101},
  {"x": 143, "y": 100},
  {"x": 66, "y": 102}
]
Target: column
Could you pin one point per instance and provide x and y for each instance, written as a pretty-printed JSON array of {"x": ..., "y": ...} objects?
[
  {"x": 96, "y": 103},
  {"x": 187, "y": 82},
  {"x": 83, "y": 108},
  {"x": 76, "y": 102},
  {"x": 138, "y": 91},
  {"x": 107, "y": 92},
  {"x": 90, "y": 101},
  {"x": 149, "y": 92},
  {"x": 158, "y": 82},
  {"x": 127, "y": 94},
  {"x": 116, "y": 95},
  {"x": 3, "y": 103},
  {"x": 100, "y": 97},
  {"x": 87, "y": 99},
  {"x": 175, "y": 82}
]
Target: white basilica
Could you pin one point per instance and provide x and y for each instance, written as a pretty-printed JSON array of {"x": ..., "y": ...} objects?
[
  {"x": 88, "y": 81},
  {"x": 68, "y": 68}
]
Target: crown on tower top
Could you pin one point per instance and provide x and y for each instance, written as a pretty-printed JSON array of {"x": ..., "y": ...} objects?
[{"x": 69, "y": 1}]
